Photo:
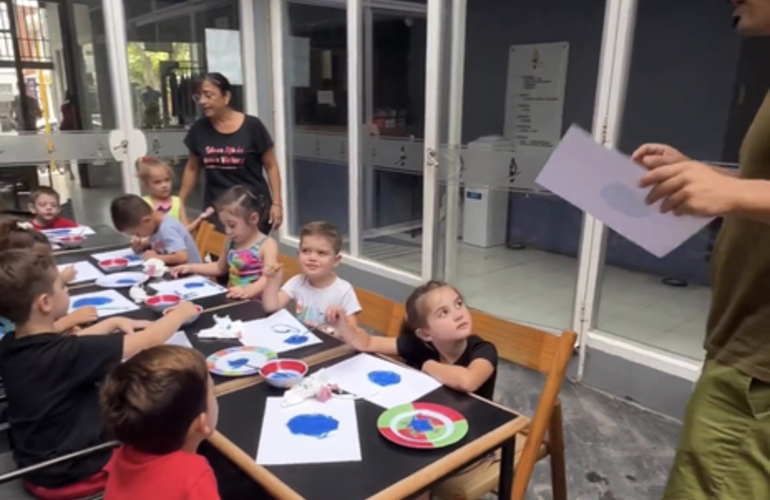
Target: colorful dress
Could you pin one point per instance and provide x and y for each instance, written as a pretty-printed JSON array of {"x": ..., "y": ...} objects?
[
  {"x": 245, "y": 266},
  {"x": 172, "y": 207}
]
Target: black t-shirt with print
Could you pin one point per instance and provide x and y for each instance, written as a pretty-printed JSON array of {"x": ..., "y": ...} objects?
[
  {"x": 231, "y": 159},
  {"x": 416, "y": 352},
  {"x": 53, "y": 400}
]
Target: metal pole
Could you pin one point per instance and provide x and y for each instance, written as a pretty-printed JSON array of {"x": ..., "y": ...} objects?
[{"x": 355, "y": 124}]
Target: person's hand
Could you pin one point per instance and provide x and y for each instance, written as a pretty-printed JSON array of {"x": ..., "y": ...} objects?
[
  {"x": 85, "y": 315},
  {"x": 206, "y": 213},
  {"x": 178, "y": 271},
  {"x": 150, "y": 254},
  {"x": 137, "y": 244},
  {"x": 653, "y": 155},
  {"x": 337, "y": 319},
  {"x": 185, "y": 309},
  {"x": 68, "y": 274},
  {"x": 130, "y": 326},
  {"x": 273, "y": 274},
  {"x": 692, "y": 188},
  {"x": 276, "y": 215},
  {"x": 240, "y": 293}
]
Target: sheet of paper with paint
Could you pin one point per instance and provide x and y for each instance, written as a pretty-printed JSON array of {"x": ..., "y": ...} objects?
[
  {"x": 192, "y": 287},
  {"x": 84, "y": 271},
  {"x": 379, "y": 381},
  {"x": 106, "y": 302},
  {"x": 279, "y": 332},
  {"x": 68, "y": 231},
  {"x": 125, "y": 253},
  {"x": 605, "y": 184},
  {"x": 224, "y": 328},
  {"x": 180, "y": 339},
  {"x": 309, "y": 433}
]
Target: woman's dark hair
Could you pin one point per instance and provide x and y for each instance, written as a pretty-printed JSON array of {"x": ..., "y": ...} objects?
[
  {"x": 218, "y": 80},
  {"x": 241, "y": 202},
  {"x": 16, "y": 234},
  {"x": 416, "y": 316}
]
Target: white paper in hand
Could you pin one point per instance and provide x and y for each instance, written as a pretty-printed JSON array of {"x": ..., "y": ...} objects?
[{"x": 605, "y": 184}]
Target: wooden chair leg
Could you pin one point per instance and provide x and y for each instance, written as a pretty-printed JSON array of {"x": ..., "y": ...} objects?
[{"x": 558, "y": 463}]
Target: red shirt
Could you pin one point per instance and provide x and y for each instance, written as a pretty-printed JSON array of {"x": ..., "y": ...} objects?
[
  {"x": 57, "y": 223},
  {"x": 177, "y": 476}
]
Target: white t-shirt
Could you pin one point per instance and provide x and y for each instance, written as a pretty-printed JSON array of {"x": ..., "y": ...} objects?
[{"x": 312, "y": 303}]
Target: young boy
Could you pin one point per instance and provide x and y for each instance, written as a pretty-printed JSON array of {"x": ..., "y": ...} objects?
[
  {"x": 51, "y": 379},
  {"x": 161, "y": 237},
  {"x": 318, "y": 288},
  {"x": 161, "y": 405},
  {"x": 45, "y": 205}
]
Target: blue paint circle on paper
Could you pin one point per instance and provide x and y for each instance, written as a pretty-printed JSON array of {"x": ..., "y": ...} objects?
[
  {"x": 295, "y": 339},
  {"x": 126, "y": 281},
  {"x": 316, "y": 425},
  {"x": 420, "y": 424},
  {"x": 91, "y": 301},
  {"x": 384, "y": 378},
  {"x": 196, "y": 284},
  {"x": 133, "y": 258}
]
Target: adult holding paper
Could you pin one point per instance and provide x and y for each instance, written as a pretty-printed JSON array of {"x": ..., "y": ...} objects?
[
  {"x": 234, "y": 149},
  {"x": 724, "y": 451}
]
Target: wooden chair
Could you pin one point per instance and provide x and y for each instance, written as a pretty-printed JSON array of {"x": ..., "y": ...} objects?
[
  {"x": 379, "y": 313},
  {"x": 550, "y": 355},
  {"x": 200, "y": 235},
  {"x": 209, "y": 241},
  {"x": 290, "y": 266}
]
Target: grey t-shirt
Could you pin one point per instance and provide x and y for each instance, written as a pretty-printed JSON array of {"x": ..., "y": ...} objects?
[{"x": 171, "y": 237}]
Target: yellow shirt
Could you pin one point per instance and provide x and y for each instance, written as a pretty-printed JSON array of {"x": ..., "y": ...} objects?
[{"x": 173, "y": 209}]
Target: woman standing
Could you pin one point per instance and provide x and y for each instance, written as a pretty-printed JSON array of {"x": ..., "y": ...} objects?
[{"x": 233, "y": 149}]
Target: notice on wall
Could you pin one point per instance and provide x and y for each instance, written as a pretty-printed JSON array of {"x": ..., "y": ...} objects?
[
  {"x": 300, "y": 50},
  {"x": 223, "y": 54}
]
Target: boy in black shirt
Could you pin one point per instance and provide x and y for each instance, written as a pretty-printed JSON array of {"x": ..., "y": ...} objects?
[{"x": 51, "y": 378}]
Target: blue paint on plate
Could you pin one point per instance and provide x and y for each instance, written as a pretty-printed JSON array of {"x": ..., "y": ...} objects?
[
  {"x": 316, "y": 425},
  {"x": 196, "y": 284},
  {"x": 384, "y": 378},
  {"x": 238, "y": 363},
  {"x": 420, "y": 424},
  {"x": 91, "y": 301},
  {"x": 295, "y": 339},
  {"x": 283, "y": 375}
]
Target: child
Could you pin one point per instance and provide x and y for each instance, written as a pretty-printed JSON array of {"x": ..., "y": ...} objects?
[
  {"x": 318, "y": 289},
  {"x": 15, "y": 235},
  {"x": 161, "y": 405},
  {"x": 436, "y": 337},
  {"x": 248, "y": 254},
  {"x": 44, "y": 204},
  {"x": 156, "y": 177},
  {"x": 51, "y": 379},
  {"x": 159, "y": 236}
]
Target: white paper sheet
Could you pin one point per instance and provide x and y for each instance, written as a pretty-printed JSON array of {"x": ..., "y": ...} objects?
[
  {"x": 309, "y": 433},
  {"x": 279, "y": 332},
  {"x": 84, "y": 271},
  {"x": 379, "y": 381},
  {"x": 107, "y": 303},
  {"x": 133, "y": 259},
  {"x": 68, "y": 231},
  {"x": 190, "y": 288},
  {"x": 180, "y": 339},
  {"x": 605, "y": 184}
]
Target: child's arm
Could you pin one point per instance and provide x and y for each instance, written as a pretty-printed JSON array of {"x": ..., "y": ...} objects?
[
  {"x": 193, "y": 226},
  {"x": 172, "y": 259},
  {"x": 206, "y": 269},
  {"x": 125, "y": 325},
  {"x": 76, "y": 318},
  {"x": 159, "y": 331},
  {"x": 357, "y": 338},
  {"x": 269, "y": 255},
  {"x": 466, "y": 379},
  {"x": 273, "y": 298}
]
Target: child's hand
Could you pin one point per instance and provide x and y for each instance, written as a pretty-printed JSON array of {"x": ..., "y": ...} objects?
[
  {"x": 206, "y": 213},
  {"x": 186, "y": 309},
  {"x": 180, "y": 270},
  {"x": 85, "y": 315},
  {"x": 68, "y": 274},
  {"x": 240, "y": 293},
  {"x": 137, "y": 245},
  {"x": 274, "y": 274},
  {"x": 150, "y": 254},
  {"x": 130, "y": 326},
  {"x": 338, "y": 320}
]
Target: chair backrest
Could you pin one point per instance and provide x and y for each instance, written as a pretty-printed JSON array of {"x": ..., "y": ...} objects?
[
  {"x": 290, "y": 266},
  {"x": 200, "y": 235},
  {"x": 213, "y": 244},
  {"x": 537, "y": 350},
  {"x": 379, "y": 313}
]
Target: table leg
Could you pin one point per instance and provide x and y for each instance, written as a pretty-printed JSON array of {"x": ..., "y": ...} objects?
[{"x": 504, "y": 489}]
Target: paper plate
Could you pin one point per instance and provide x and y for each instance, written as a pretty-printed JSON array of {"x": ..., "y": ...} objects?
[
  {"x": 122, "y": 280},
  {"x": 422, "y": 425},
  {"x": 239, "y": 361}
]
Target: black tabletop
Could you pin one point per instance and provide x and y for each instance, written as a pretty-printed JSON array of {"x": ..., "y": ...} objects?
[
  {"x": 246, "y": 311},
  {"x": 383, "y": 463}
]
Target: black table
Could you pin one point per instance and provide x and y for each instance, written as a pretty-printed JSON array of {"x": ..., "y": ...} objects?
[{"x": 386, "y": 471}]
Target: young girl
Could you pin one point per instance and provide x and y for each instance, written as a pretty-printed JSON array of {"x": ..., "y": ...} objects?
[
  {"x": 156, "y": 177},
  {"x": 436, "y": 337},
  {"x": 248, "y": 254},
  {"x": 16, "y": 235}
]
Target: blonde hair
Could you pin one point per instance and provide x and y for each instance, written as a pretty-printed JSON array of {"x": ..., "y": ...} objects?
[{"x": 145, "y": 165}]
